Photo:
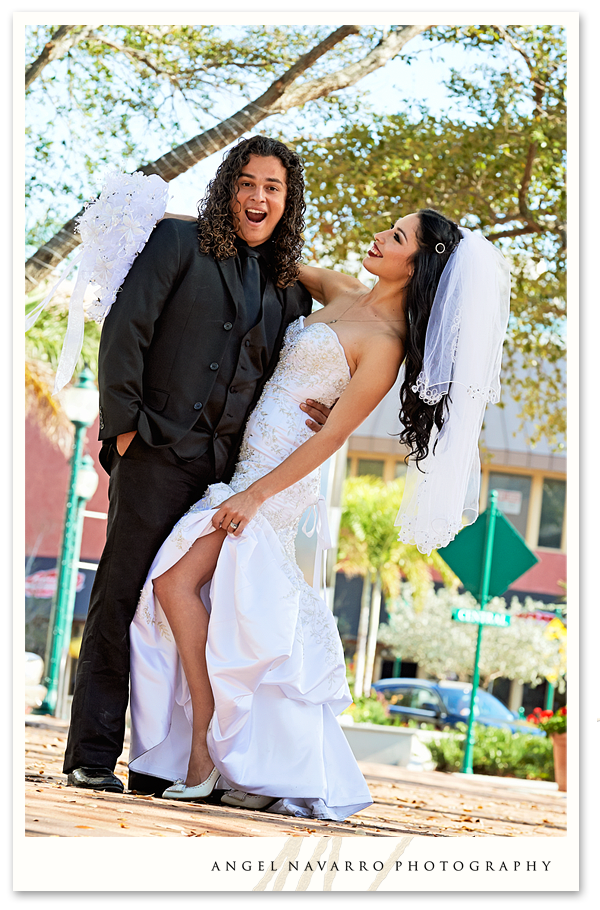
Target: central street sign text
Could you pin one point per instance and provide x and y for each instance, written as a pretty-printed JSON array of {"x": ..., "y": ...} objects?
[{"x": 481, "y": 617}]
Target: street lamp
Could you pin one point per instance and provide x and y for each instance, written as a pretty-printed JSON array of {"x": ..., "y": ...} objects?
[
  {"x": 80, "y": 402},
  {"x": 86, "y": 486}
]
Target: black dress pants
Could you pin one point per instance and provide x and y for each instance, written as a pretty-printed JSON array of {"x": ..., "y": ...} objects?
[{"x": 149, "y": 490}]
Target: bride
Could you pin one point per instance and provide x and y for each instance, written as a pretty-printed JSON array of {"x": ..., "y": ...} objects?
[{"x": 237, "y": 669}]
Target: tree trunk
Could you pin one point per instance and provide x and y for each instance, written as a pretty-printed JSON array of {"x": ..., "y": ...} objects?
[
  {"x": 60, "y": 43},
  {"x": 361, "y": 638},
  {"x": 373, "y": 630},
  {"x": 281, "y": 96}
]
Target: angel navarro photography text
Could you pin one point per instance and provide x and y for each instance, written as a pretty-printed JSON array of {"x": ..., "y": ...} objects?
[{"x": 440, "y": 865}]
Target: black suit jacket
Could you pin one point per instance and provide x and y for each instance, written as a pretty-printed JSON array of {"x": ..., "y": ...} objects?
[{"x": 167, "y": 331}]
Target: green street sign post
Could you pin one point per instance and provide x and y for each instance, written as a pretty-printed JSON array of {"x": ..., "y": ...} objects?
[{"x": 487, "y": 557}]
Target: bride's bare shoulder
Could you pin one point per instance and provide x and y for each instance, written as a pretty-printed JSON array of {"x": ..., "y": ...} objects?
[
  {"x": 325, "y": 285},
  {"x": 383, "y": 344}
]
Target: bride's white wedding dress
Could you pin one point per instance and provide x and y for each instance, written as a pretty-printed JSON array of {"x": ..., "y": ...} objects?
[{"x": 274, "y": 655}]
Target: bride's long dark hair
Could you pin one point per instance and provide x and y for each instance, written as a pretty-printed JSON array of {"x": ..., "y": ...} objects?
[{"x": 416, "y": 416}]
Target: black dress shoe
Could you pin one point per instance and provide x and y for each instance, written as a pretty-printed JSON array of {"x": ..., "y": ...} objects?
[
  {"x": 95, "y": 779},
  {"x": 156, "y": 786},
  {"x": 146, "y": 784}
]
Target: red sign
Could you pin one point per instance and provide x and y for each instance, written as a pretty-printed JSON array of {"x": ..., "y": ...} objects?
[{"x": 43, "y": 583}]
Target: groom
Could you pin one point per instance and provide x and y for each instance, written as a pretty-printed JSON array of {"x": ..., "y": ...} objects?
[{"x": 187, "y": 346}]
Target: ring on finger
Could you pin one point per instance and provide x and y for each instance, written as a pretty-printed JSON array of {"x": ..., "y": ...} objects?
[{"x": 234, "y": 525}]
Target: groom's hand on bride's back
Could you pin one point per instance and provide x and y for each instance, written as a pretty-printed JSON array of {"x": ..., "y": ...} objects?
[{"x": 317, "y": 414}]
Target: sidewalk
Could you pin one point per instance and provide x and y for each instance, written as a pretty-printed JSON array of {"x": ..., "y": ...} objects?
[{"x": 406, "y": 802}]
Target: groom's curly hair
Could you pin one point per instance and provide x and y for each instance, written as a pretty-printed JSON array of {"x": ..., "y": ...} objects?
[{"x": 216, "y": 232}]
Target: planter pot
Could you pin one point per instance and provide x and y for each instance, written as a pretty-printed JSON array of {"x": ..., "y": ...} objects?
[
  {"x": 380, "y": 743},
  {"x": 559, "y": 744}
]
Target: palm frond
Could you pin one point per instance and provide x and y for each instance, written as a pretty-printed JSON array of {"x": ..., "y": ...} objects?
[{"x": 45, "y": 410}]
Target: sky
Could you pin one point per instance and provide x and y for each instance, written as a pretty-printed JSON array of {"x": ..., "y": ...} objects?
[{"x": 387, "y": 90}]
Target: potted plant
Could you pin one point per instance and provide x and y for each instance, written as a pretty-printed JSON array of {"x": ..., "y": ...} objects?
[{"x": 554, "y": 723}]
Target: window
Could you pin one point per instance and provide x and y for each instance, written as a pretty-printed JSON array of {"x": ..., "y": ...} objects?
[
  {"x": 513, "y": 497},
  {"x": 424, "y": 698},
  {"x": 553, "y": 511},
  {"x": 400, "y": 469},
  {"x": 370, "y": 466},
  {"x": 397, "y": 696}
]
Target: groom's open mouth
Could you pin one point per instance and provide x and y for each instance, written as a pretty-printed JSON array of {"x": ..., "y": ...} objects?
[{"x": 255, "y": 216}]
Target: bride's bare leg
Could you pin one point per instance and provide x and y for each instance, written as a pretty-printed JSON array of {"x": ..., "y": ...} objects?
[{"x": 178, "y": 591}]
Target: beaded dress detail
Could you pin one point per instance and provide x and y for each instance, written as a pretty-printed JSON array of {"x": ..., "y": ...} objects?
[{"x": 274, "y": 655}]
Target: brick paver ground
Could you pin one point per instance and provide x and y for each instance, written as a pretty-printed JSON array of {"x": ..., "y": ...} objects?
[{"x": 406, "y": 802}]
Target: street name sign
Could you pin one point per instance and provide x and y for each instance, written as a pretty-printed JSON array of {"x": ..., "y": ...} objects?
[{"x": 482, "y": 617}]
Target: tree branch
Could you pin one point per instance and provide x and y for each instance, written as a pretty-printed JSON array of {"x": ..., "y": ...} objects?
[
  {"x": 133, "y": 53},
  {"x": 280, "y": 96},
  {"x": 515, "y": 45},
  {"x": 389, "y": 46},
  {"x": 523, "y": 206},
  {"x": 517, "y": 232},
  {"x": 61, "y": 42},
  {"x": 138, "y": 56}
]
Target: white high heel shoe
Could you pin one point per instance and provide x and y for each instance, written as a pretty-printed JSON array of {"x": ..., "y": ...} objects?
[
  {"x": 179, "y": 790},
  {"x": 247, "y": 800}
]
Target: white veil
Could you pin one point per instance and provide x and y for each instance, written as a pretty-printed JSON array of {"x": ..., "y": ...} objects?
[{"x": 462, "y": 359}]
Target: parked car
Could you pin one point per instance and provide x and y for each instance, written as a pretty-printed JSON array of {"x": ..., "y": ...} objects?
[{"x": 447, "y": 703}]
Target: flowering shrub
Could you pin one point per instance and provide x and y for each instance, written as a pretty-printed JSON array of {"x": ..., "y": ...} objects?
[
  {"x": 549, "y": 721},
  {"x": 365, "y": 710}
]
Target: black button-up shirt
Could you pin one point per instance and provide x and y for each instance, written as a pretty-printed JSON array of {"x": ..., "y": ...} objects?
[{"x": 249, "y": 351}]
